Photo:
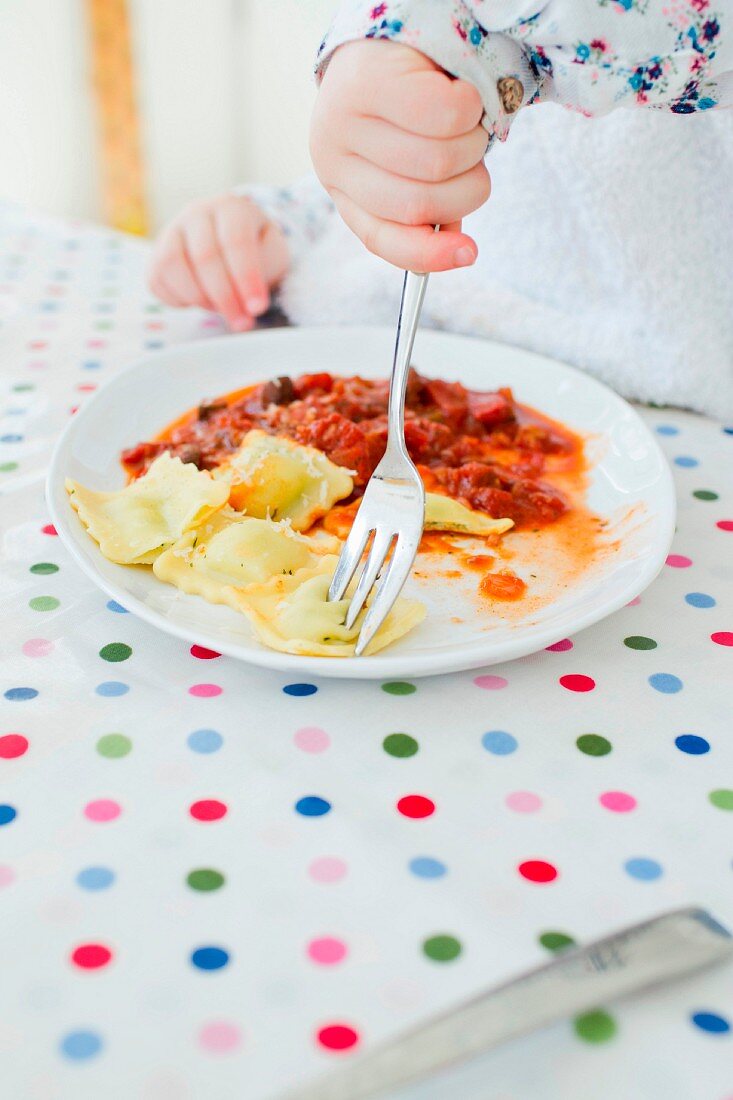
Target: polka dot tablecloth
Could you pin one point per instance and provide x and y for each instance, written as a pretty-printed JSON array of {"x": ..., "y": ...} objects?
[{"x": 217, "y": 881}]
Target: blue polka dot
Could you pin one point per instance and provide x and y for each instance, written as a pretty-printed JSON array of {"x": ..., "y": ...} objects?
[
  {"x": 11, "y": 438},
  {"x": 667, "y": 429},
  {"x": 95, "y": 878},
  {"x": 15, "y": 412},
  {"x": 209, "y": 958},
  {"x": 300, "y": 689},
  {"x": 499, "y": 743},
  {"x": 112, "y": 605},
  {"x": 151, "y": 345},
  {"x": 16, "y": 694},
  {"x": 699, "y": 599},
  {"x": 312, "y": 806},
  {"x": 666, "y": 683},
  {"x": 80, "y": 1045},
  {"x": 91, "y": 364},
  {"x": 7, "y": 813},
  {"x": 48, "y": 307},
  {"x": 204, "y": 741},
  {"x": 728, "y": 431},
  {"x": 646, "y": 870},
  {"x": 710, "y": 1022},
  {"x": 692, "y": 744},
  {"x": 686, "y": 460},
  {"x": 112, "y": 687},
  {"x": 427, "y": 867}
]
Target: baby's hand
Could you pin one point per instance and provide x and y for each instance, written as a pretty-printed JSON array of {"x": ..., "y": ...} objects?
[
  {"x": 222, "y": 254},
  {"x": 399, "y": 147}
]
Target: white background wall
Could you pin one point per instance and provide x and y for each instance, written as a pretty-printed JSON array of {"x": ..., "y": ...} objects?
[{"x": 224, "y": 90}]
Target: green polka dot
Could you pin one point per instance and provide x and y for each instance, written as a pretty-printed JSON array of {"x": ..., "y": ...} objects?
[
  {"x": 41, "y": 568},
  {"x": 705, "y": 494},
  {"x": 8, "y": 467},
  {"x": 722, "y": 798},
  {"x": 400, "y": 744},
  {"x": 44, "y": 603},
  {"x": 115, "y": 651},
  {"x": 103, "y": 326},
  {"x": 23, "y": 387},
  {"x": 442, "y": 948},
  {"x": 399, "y": 687},
  {"x": 556, "y": 941},
  {"x": 205, "y": 879},
  {"x": 592, "y": 744},
  {"x": 595, "y": 1027},
  {"x": 153, "y": 308},
  {"x": 638, "y": 641},
  {"x": 114, "y": 745}
]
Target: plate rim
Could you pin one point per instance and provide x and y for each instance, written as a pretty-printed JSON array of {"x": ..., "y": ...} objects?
[{"x": 385, "y": 665}]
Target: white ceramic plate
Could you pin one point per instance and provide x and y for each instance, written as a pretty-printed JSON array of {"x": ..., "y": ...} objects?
[{"x": 630, "y": 484}]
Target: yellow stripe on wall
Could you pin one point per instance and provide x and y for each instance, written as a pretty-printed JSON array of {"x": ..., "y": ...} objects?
[{"x": 113, "y": 81}]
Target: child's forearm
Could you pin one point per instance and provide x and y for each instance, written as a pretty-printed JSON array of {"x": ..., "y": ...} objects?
[
  {"x": 592, "y": 57},
  {"x": 302, "y": 211}
]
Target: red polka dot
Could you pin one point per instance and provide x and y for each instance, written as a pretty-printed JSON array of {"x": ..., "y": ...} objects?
[
  {"x": 338, "y": 1037},
  {"x": 205, "y": 691},
  {"x": 679, "y": 561},
  {"x": 722, "y": 637},
  {"x": 725, "y": 524},
  {"x": 36, "y": 345},
  {"x": 208, "y": 809},
  {"x": 575, "y": 682},
  {"x": 537, "y": 870},
  {"x": 91, "y": 956},
  {"x": 86, "y": 387},
  {"x": 416, "y": 805},
  {"x": 12, "y": 745},
  {"x": 204, "y": 654},
  {"x": 560, "y": 647},
  {"x": 49, "y": 529},
  {"x": 73, "y": 409}
]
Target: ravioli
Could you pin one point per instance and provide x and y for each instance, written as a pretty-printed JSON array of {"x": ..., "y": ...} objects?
[
  {"x": 446, "y": 514},
  {"x": 231, "y": 552},
  {"x": 273, "y": 476},
  {"x": 293, "y": 614},
  {"x": 135, "y": 524}
]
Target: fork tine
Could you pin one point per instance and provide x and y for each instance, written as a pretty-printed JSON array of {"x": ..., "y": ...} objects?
[
  {"x": 382, "y": 542},
  {"x": 349, "y": 558},
  {"x": 388, "y": 591}
]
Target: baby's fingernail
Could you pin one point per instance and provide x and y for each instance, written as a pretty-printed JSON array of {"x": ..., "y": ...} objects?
[
  {"x": 464, "y": 256},
  {"x": 242, "y": 324},
  {"x": 256, "y": 305}
]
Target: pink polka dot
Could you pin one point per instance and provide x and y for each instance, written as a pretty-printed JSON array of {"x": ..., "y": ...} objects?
[
  {"x": 327, "y": 869},
  {"x": 679, "y": 561},
  {"x": 37, "y": 364},
  {"x": 7, "y": 876},
  {"x": 618, "y": 801},
  {"x": 490, "y": 683},
  {"x": 575, "y": 682},
  {"x": 635, "y": 602},
  {"x": 722, "y": 637},
  {"x": 312, "y": 739},
  {"x": 13, "y": 745},
  {"x": 37, "y": 647},
  {"x": 96, "y": 342},
  {"x": 49, "y": 529},
  {"x": 725, "y": 524},
  {"x": 523, "y": 802},
  {"x": 219, "y": 1037},
  {"x": 560, "y": 647},
  {"x": 86, "y": 387},
  {"x": 102, "y": 809},
  {"x": 205, "y": 691},
  {"x": 211, "y": 322},
  {"x": 327, "y": 951}
]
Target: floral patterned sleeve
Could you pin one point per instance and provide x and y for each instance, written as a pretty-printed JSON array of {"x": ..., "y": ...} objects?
[
  {"x": 302, "y": 211},
  {"x": 589, "y": 55}
]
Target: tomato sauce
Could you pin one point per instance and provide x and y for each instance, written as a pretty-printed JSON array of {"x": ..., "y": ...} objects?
[{"x": 483, "y": 448}]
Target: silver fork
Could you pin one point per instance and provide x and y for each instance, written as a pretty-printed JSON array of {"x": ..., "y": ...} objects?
[{"x": 393, "y": 505}]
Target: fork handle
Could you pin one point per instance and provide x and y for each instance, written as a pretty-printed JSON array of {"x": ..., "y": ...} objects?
[{"x": 413, "y": 293}]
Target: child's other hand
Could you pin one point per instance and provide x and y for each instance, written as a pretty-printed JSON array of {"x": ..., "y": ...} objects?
[
  {"x": 222, "y": 254},
  {"x": 399, "y": 147}
]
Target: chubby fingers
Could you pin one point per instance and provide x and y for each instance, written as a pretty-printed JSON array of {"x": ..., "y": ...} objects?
[
  {"x": 410, "y": 247},
  {"x": 412, "y": 202},
  {"x": 429, "y": 159}
]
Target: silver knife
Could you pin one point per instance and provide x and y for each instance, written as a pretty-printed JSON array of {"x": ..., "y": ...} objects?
[{"x": 658, "y": 950}]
